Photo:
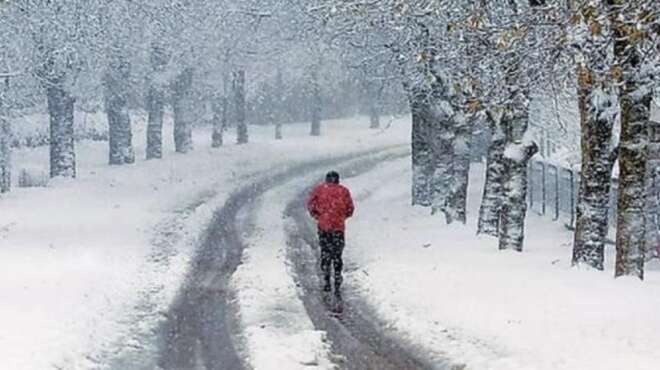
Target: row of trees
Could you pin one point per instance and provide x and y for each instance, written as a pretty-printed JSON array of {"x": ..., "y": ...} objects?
[
  {"x": 461, "y": 64},
  {"x": 221, "y": 62},
  {"x": 465, "y": 62}
]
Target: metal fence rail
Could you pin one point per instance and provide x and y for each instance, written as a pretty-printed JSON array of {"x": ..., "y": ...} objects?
[{"x": 552, "y": 190}]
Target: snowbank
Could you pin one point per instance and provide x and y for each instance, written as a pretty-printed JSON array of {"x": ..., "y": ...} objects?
[
  {"x": 456, "y": 295},
  {"x": 86, "y": 265}
]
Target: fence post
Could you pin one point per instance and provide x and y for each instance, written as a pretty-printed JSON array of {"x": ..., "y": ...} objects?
[
  {"x": 530, "y": 177},
  {"x": 543, "y": 190},
  {"x": 556, "y": 193},
  {"x": 572, "y": 176}
]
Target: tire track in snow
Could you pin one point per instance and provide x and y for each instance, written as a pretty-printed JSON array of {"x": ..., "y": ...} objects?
[
  {"x": 198, "y": 329},
  {"x": 358, "y": 338}
]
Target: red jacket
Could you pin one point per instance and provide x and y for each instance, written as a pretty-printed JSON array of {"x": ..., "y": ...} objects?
[{"x": 330, "y": 205}]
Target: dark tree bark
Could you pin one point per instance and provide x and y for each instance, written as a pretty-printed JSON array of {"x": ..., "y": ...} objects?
[
  {"x": 5, "y": 151},
  {"x": 442, "y": 137},
  {"x": 491, "y": 201},
  {"x": 116, "y": 86},
  {"x": 374, "y": 96},
  {"x": 155, "y": 111},
  {"x": 461, "y": 175},
  {"x": 278, "y": 131},
  {"x": 316, "y": 102},
  {"x": 517, "y": 154},
  {"x": 635, "y": 101},
  {"x": 422, "y": 157},
  {"x": 220, "y": 107},
  {"x": 221, "y": 111},
  {"x": 631, "y": 231},
  {"x": 239, "y": 107},
  {"x": 183, "y": 116},
  {"x": 155, "y": 104},
  {"x": 598, "y": 157},
  {"x": 5, "y": 143},
  {"x": 279, "y": 101},
  {"x": 62, "y": 146},
  {"x": 653, "y": 195}
]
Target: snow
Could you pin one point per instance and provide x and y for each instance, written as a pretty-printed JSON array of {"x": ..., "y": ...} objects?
[
  {"x": 456, "y": 296},
  {"x": 90, "y": 263},
  {"x": 274, "y": 324}
]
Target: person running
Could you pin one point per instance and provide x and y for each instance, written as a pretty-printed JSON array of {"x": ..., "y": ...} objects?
[{"x": 330, "y": 204}]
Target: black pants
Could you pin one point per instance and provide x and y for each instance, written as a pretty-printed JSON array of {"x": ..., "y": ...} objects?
[{"x": 332, "y": 246}]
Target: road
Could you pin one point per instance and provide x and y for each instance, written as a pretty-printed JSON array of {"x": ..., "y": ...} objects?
[{"x": 197, "y": 332}]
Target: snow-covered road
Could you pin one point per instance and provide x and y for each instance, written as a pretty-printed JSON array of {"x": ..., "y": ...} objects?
[{"x": 240, "y": 306}]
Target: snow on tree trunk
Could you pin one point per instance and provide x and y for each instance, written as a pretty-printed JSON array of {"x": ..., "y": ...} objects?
[
  {"x": 630, "y": 236},
  {"x": 155, "y": 104},
  {"x": 598, "y": 157},
  {"x": 422, "y": 163},
  {"x": 443, "y": 182},
  {"x": 517, "y": 154},
  {"x": 62, "y": 147},
  {"x": 491, "y": 201},
  {"x": 316, "y": 102},
  {"x": 182, "y": 105},
  {"x": 635, "y": 102},
  {"x": 219, "y": 121},
  {"x": 461, "y": 167},
  {"x": 120, "y": 137},
  {"x": 238, "y": 88}
]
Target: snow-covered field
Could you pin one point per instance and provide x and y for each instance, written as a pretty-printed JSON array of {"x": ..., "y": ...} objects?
[
  {"x": 457, "y": 296},
  {"x": 81, "y": 260}
]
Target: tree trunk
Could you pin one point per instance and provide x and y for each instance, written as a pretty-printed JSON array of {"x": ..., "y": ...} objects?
[
  {"x": 443, "y": 183},
  {"x": 630, "y": 236},
  {"x": 653, "y": 201},
  {"x": 461, "y": 167},
  {"x": 598, "y": 157},
  {"x": 5, "y": 143},
  {"x": 182, "y": 106},
  {"x": 491, "y": 201},
  {"x": 120, "y": 137},
  {"x": 155, "y": 104},
  {"x": 316, "y": 104},
  {"x": 62, "y": 146},
  {"x": 635, "y": 101},
  {"x": 374, "y": 95},
  {"x": 422, "y": 158},
  {"x": 239, "y": 103},
  {"x": 278, "y": 131},
  {"x": 5, "y": 152},
  {"x": 219, "y": 121},
  {"x": 374, "y": 117},
  {"x": 155, "y": 108},
  {"x": 517, "y": 154}
]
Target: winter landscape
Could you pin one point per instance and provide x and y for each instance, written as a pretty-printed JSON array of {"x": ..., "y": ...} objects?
[{"x": 329, "y": 184}]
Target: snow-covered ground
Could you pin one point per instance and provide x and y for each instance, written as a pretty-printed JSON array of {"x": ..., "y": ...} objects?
[
  {"x": 274, "y": 325},
  {"x": 454, "y": 294},
  {"x": 81, "y": 260}
]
